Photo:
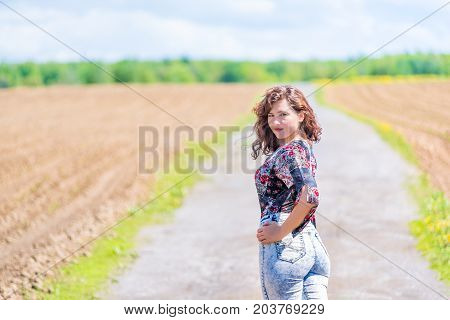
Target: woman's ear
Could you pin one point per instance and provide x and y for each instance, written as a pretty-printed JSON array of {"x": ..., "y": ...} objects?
[{"x": 301, "y": 116}]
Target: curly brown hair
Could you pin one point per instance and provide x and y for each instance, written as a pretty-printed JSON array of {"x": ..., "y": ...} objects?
[{"x": 266, "y": 140}]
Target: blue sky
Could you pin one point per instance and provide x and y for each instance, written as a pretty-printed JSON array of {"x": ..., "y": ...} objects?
[{"x": 260, "y": 30}]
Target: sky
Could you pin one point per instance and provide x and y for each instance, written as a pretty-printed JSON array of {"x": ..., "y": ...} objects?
[{"x": 259, "y": 30}]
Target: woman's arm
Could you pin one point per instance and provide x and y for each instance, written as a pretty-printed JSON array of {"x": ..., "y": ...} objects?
[
  {"x": 272, "y": 232},
  {"x": 298, "y": 214}
]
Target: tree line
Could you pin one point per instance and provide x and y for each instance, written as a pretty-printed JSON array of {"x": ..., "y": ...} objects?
[{"x": 185, "y": 70}]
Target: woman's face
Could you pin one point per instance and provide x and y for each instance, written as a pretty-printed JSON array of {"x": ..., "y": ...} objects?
[{"x": 284, "y": 121}]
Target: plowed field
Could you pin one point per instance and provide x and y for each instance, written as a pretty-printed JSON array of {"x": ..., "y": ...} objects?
[
  {"x": 69, "y": 162},
  {"x": 420, "y": 110}
]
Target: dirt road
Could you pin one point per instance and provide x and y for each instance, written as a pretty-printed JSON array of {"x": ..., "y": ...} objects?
[{"x": 210, "y": 250}]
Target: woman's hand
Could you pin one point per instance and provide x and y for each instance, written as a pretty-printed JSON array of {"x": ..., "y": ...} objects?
[
  {"x": 272, "y": 231},
  {"x": 269, "y": 232}
]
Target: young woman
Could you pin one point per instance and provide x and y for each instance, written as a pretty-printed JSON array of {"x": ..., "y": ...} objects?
[{"x": 294, "y": 262}]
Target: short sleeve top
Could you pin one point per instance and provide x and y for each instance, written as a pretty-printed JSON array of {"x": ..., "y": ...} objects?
[{"x": 280, "y": 179}]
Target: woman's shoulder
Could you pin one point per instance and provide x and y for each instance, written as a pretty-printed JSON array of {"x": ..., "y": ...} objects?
[
  {"x": 296, "y": 146},
  {"x": 294, "y": 150}
]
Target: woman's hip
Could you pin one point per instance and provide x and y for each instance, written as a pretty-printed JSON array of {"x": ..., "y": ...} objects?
[{"x": 296, "y": 255}]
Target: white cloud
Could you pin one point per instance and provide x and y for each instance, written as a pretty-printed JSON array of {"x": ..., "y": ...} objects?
[
  {"x": 261, "y": 30},
  {"x": 251, "y": 6}
]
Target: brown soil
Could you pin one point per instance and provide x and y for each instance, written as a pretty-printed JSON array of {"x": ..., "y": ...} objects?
[
  {"x": 419, "y": 110},
  {"x": 69, "y": 168}
]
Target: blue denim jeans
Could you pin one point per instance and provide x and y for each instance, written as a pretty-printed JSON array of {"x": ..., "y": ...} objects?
[{"x": 296, "y": 267}]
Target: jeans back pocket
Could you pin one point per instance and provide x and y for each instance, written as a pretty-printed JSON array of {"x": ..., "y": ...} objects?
[{"x": 291, "y": 249}]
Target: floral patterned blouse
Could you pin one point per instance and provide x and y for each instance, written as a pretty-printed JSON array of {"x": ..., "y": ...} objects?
[{"x": 282, "y": 176}]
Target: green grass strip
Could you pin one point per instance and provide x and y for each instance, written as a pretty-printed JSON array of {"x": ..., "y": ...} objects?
[
  {"x": 432, "y": 228},
  {"x": 86, "y": 276}
]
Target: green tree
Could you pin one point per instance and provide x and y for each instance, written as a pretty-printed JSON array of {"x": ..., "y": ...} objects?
[
  {"x": 124, "y": 71},
  {"x": 93, "y": 73},
  {"x": 29, "y": 74},
  {"x": 232, "y": 72},
  {"x": 52, "y": 73}
]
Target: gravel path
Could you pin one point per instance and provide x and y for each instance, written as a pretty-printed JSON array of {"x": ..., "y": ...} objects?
[{"x": 210, "y": 250}]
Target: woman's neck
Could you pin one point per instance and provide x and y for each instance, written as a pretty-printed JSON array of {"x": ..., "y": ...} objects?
[{"x": 296, "y": 136}]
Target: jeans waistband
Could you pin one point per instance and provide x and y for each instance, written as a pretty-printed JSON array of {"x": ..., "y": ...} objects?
[
  {"x": 309, "y": 227},
  {"x": 268, "y": 217}
]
